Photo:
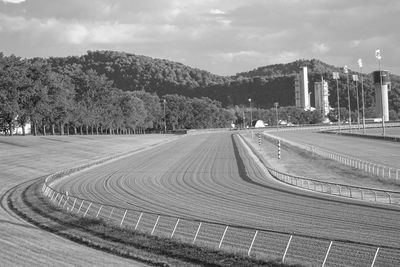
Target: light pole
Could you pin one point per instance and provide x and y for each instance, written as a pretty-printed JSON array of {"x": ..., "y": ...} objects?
[
  {"x": 355, "y": 79},
  {"x": 276, "y": 104},
  {"x": 244, "y": 119},
  {"x": 165, "y": 118},
  {"x": 362, "y": 94},
  {"x": 251, "y": 114},
  {"x": 378, "y": 56},
  {"x": 336, "y": 77},
  {"x": 345, "y": 70}
]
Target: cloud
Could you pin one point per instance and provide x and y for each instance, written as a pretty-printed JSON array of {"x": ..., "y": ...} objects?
[
  {"x": 320, "y": 48},
  {"x": 217, "y": 11},
  {"x": 235, "y": 35},
  {"x": 13, "y": 1}
]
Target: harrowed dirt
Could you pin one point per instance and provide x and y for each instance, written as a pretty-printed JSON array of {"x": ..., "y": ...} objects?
[
  {"x": 23, "y": 158},
  {"x": 28, "y": 203}
]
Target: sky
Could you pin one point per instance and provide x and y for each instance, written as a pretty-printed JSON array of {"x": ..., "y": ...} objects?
[{"x": 224, "y": 37}]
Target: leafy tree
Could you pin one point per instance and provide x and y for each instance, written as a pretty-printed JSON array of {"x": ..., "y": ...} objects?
[{"x": 13, "y": 82}]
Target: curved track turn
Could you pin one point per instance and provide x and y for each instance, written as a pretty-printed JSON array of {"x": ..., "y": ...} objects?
[{"x": 212, "y": 177}]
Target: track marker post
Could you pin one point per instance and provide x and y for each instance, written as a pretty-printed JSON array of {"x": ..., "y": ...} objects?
[
  {"x": 287, "y": 247},
  {"x": 279, "y": 149}
]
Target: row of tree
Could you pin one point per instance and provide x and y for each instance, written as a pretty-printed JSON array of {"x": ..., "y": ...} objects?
[
  {"x": 114, "y": 92},
  {"x": 68, "y": 99}
]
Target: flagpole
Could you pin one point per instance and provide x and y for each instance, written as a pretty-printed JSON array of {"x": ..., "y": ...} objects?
[
  {"x": 358, "y": 106},
  {"x": 380, "y": 77},
  {"x": 335, "y": 76},
  {"x": 338, "y": 105},
  {"x": 348, "y": 97},
  {"x": 362, "y": 98}
]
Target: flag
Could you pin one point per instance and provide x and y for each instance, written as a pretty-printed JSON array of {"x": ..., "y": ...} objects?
[
  {"x": 355, "y": 77},
  {"x": 335, "y": 75},
  {"x": 345, "y": 69},
  {"x": 378, "y": 54},
  {"x": 359, "y": 61}
]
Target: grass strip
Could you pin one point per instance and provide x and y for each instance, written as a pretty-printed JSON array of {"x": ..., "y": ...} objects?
[{"x": 28, "y": 202}]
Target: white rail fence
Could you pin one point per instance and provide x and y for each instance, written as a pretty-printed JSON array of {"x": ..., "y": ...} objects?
[
  {"x": 342, "y": 190},
  {"x": 259, "y": 243},
  {"x": 363, "y": 165},
  {"x": 264, "y": 244}
]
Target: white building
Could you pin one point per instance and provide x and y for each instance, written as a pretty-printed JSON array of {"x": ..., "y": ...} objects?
[
  {"x": 301, "y": 90},
  {"x": 321, "y": 91}
]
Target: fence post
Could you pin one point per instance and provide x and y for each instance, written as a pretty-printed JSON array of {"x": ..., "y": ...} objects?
[
  {"x": 87, "y": 209},
  {"x": 362, "y": 194},
  {"x": 397, "y": 174},
  {"x": 376, "y": 254},
  {"x": 173, "y": 231},
  {"x": 222, "y": 238},
  {"x": 65, "y": 203},
  {"x": 390, "y": 197},
  {"x": 112, "y": 210},
  {"x": 98, "y": 212},
  {"x": 327, "y": 253},
  {"x": 375, "y": 195},
  {"x": 80, "y": 207},
  {"x": 73, "y": 205},
  {"x": 154, "y": 228},
  {"x": 123, "y": 218},
  {"x": 59, "y": 202},
  {"x": 287, "y": 247},
  {"x": 54, "y": 200},
  {"x": 197, "y": 232},
  {"x": 137, "y": 223},
  {"x": 252, "y": 242}
]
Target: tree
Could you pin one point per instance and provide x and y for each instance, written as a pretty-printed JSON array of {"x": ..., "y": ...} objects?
[{"x": 13, "y": 82}]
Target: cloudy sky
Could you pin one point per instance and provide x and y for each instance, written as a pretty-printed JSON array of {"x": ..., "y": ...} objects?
[{"x": 221, "y": 36}]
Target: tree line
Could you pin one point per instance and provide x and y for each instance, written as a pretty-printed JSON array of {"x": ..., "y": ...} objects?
[
  {"x": 115, "y": 92},
  {"x": 71, "y": 100}
]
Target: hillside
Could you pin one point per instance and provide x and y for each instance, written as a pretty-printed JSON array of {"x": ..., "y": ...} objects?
[{"x": 264, "y": 85}]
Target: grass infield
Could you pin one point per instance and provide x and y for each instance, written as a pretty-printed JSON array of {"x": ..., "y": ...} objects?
[{"x": 27, "y": 201}]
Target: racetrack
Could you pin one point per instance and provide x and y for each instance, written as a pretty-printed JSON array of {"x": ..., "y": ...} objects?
[
  {"x": 28, "y": 157},
  {"x": 212, "y": 177},
  {"x": 377, "y": 151}
]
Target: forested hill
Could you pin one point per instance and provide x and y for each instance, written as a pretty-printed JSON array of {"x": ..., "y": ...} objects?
[
  {"x": 290, "y": 69},
  {"x": 131, "y": 72},
  {"x": 264, "y": 85}
]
